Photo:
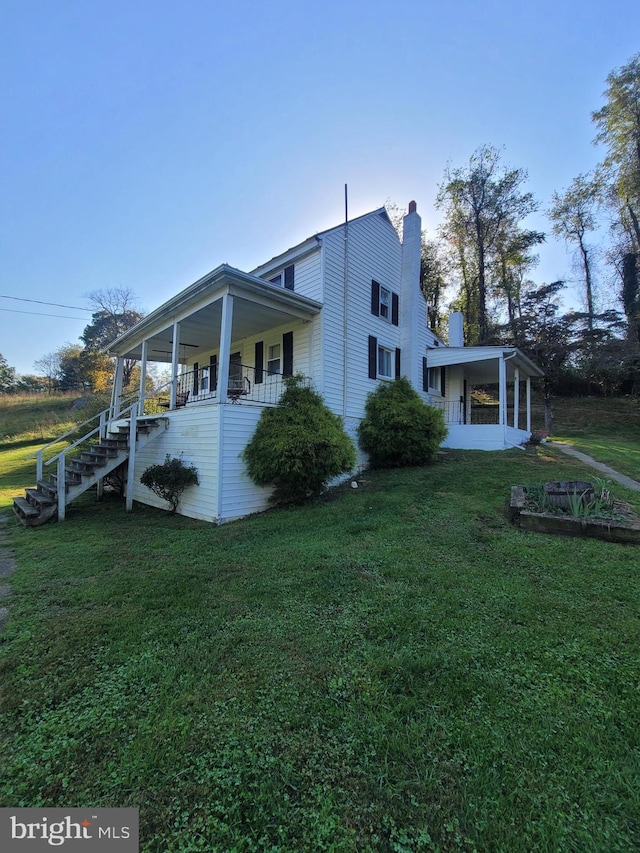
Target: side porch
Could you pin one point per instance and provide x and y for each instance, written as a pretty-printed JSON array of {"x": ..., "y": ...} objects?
[{"x": 498, "y": 426}]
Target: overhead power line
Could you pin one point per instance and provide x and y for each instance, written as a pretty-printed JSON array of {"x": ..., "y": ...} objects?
[
  {"x": 41, "y": 314},
  {"x": 39, "y": 302}
]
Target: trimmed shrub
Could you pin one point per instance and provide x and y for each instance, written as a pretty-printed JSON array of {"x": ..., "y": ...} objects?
[
  {"x": 298, "y": 445},
  {"x": 169, "y": 480},
  {"x": 399, "y": 428}
]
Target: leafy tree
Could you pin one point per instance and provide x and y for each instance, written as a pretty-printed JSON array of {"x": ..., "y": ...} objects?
[
  {"x": 574, "y": 215},
  {"x": 631, "y": 295},
  {"x": 29, "y": 384},
  {"x": 115, "y": 313},
  {"x": 547, "y": 337},
  {"x": 298, "y": 445},
  {"x": 483, "y": 204},
  {"x": 7, "y": 376},
  {"x": 433, "y": 280},
  {"x": 398, "y": 428},
  {"x": 618, "y": 123},
  {"x": 49, "y": 367}
]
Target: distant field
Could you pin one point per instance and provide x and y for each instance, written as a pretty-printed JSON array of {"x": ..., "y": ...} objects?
[{"x": 27, "y": 422}]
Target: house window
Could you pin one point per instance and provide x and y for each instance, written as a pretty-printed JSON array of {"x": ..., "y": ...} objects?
[
  {"x": 204, "y": 380},
  {"x": 273, "y": 360},
  {"x": 285, "y": 278},
  {"x": 385, "y": 304},
  {"x": 436, "y": 380},
  {"x": 385, "y": 363}
]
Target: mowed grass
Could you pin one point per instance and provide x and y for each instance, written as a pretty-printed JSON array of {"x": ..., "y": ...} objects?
[
  {"x": 607, "y": 429},
  {"x": 392, "y": 668}
]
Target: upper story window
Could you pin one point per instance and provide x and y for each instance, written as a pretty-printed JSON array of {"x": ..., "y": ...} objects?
[
  {"x": 285, "y": 278},
  {"x": 384, "y": 303}
]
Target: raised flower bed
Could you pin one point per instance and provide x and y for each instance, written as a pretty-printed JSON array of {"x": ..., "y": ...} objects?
[{"x": 574, "y": 509}]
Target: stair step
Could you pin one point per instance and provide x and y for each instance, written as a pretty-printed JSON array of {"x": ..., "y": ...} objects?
[
  {"x": 25, "y": 508},
  {"x": 48, "y": 486},
  {"x": 37, "y": 498}
]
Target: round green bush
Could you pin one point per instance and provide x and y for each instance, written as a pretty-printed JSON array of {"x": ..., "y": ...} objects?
[
  {"x": 399, "y": 428},
  {"x": 298, "y": 445},
  {"x": 169, "y": 480}
]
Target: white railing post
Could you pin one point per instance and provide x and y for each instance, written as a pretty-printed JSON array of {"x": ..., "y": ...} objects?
[
  {"x": 516, "y": 399},
  {"x": 103, "y": 426},
  {"x": 143, "y": 378},
  {"x": 175, "y": 357},
  {"x": 62, "y": 487},
  {"x": 39, "y": 467},
  {"x": 132, "y": 460}
]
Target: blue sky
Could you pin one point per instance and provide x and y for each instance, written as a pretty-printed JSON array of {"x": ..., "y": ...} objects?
[{"x": 143, "y": 143}]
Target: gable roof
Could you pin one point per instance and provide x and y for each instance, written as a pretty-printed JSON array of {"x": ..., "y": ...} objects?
[{"x": 300, "y": 250}]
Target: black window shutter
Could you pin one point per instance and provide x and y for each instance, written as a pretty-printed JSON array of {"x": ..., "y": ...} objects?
[
  {"x": 288, "y": 277},
  {"x": 394, "y": 309},
  {"x": 287, "y": 354},
  {"x": 442, "y": 379},
  {"x": 425, "y": 375},
  {"x": 375, "y": 298},
  {"x": 259, "y": 363},
  {"x": 373, "y": 357},
  {"x": 196, "y": 375},
  {"x": 397, "y": 362},
  {"x": 213, "y": 370}
]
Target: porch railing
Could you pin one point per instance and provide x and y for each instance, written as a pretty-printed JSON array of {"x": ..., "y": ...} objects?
[
  {"x": 246, "y": 384},
  {"x": 485, "y": 415}
]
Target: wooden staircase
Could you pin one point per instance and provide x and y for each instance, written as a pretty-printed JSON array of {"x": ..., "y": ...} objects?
[{"x": 82, "y": 472}]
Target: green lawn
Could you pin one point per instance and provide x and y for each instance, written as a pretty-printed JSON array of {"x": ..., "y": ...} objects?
[
  {"x": 607, "y": 429},
  {"x": 392, "y": 668}
]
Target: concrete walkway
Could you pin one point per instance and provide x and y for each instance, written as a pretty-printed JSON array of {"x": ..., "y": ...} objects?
[
  {"x": 599, "y": 466},
  {"x": 7, "y": 566}
]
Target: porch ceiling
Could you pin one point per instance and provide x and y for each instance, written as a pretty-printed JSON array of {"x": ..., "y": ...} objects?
[{"x": 257, "y": 307}]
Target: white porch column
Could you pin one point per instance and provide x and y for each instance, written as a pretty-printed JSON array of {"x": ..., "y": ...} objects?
[
  {"x": 502, "y": 391},
  {"x": 528, "y": 404},
  {"x": 143, "y": 377},
  {"x": 116, "y": 397},
  {"x": 516, "y": 399},
  {"x": 175, "y": 355},
  {"x": 225, "y": 347}
]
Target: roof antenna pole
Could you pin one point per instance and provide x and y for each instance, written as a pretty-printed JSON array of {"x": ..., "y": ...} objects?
[{"x": 344, "y": 304}]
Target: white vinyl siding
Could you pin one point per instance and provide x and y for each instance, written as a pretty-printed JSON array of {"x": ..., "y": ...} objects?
[
  {"x": 193, "y": 434},
  {"x": 374, "y": 253}
]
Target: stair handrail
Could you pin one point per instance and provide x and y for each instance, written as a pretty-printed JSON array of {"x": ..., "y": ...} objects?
[{"x": 103, "y": 419}]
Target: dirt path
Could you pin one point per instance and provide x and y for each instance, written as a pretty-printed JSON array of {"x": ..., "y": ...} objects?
[
  {"x": 599, "y": 466},
  {"x": 7, "y": 566}
]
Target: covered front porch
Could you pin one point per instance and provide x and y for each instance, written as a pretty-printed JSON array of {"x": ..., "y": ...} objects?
[
  {"x": 228, "y": 338},
  {"x": 508, "y": 372}
]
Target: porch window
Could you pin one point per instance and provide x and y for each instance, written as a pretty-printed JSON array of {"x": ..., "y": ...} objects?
[
  {"x": 204, "y": 380},
  {"x": 436, "y": 381},
  {"x": 273, "y": 360}
]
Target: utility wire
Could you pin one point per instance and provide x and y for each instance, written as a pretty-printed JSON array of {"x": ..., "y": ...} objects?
[
  {"x": 40, "y": 314},
  {"x": 39, "y": 302}
]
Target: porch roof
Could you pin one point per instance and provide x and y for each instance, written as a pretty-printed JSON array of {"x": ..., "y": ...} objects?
[
  {"x": 476, "y": 359},
  {"x": 258, "y": 306}
]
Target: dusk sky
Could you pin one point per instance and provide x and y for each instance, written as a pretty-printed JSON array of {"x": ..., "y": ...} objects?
[{"x": 144, "y": 143}]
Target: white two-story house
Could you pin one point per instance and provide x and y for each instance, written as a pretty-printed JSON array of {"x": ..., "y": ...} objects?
[{"x": 343, "y": 308}]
